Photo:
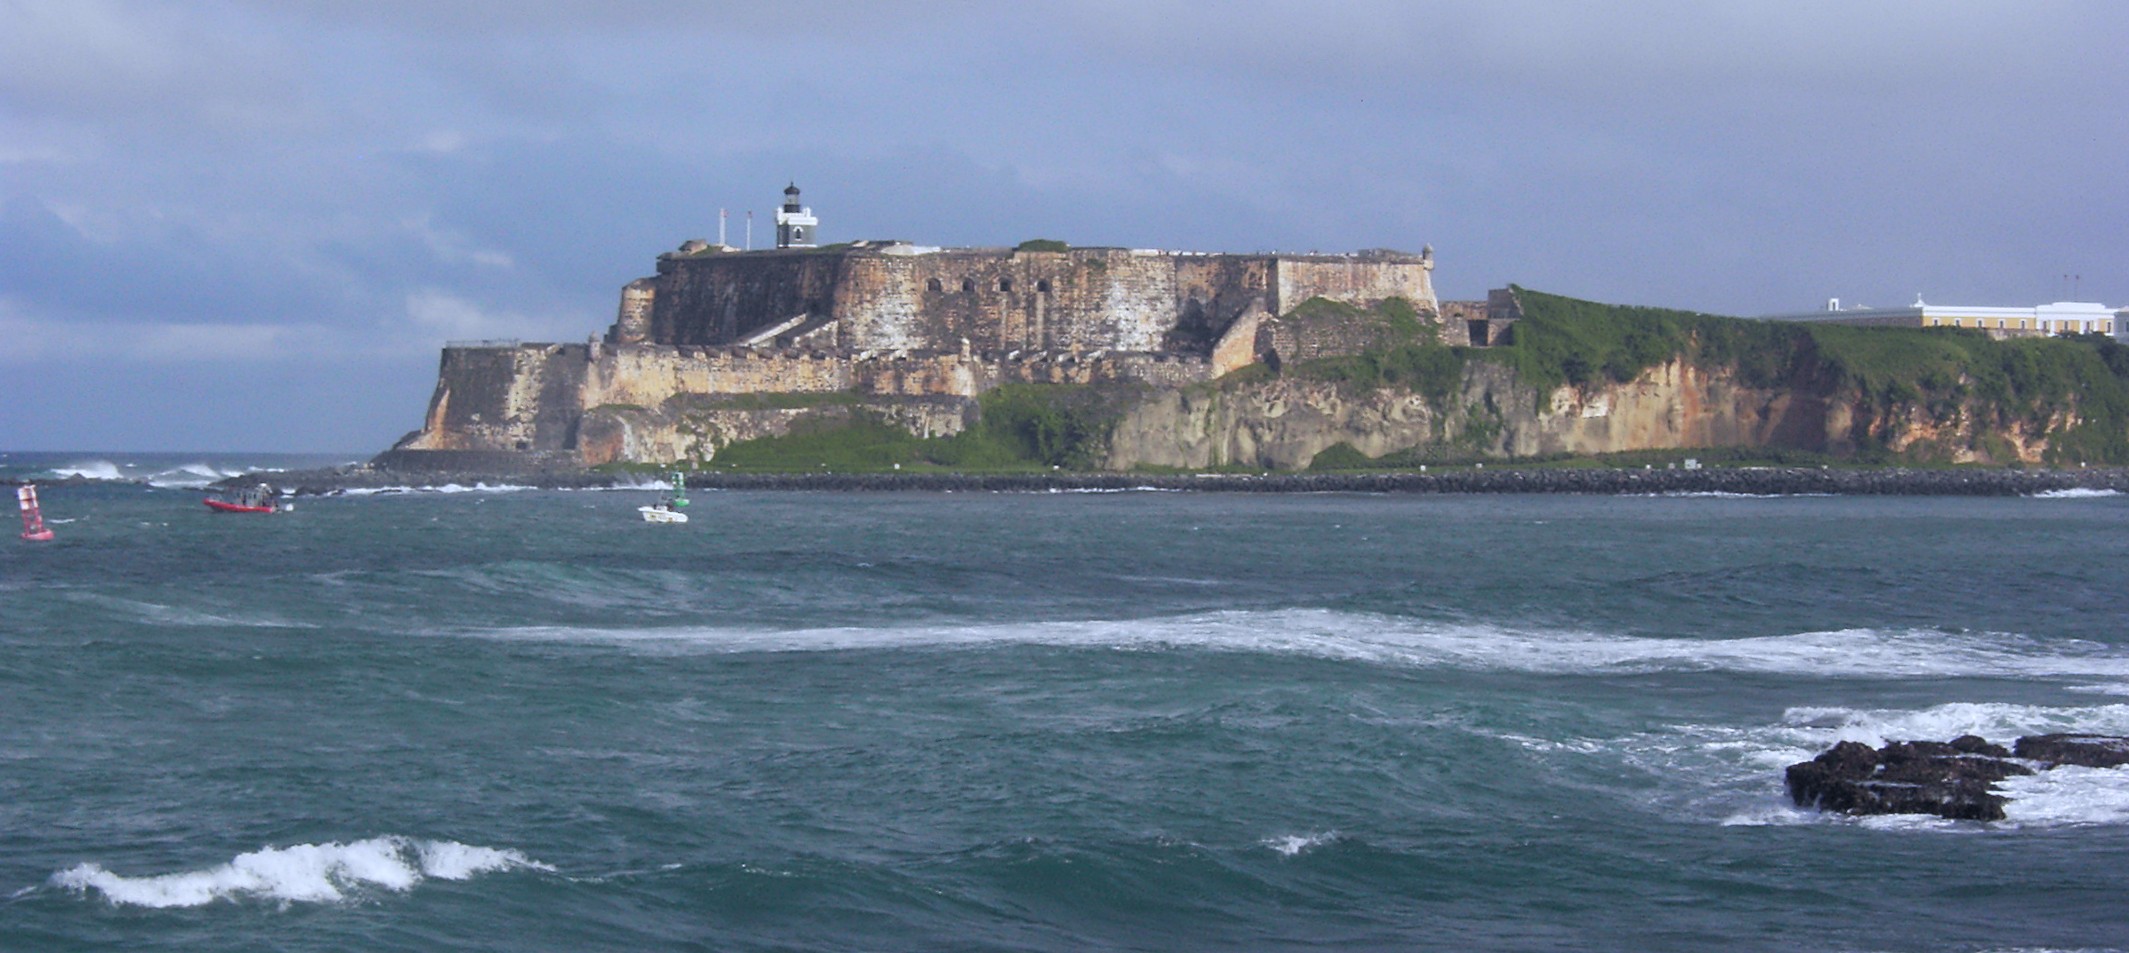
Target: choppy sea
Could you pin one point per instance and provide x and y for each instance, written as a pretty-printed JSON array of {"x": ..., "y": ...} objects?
[{"x": 509, "y": 719}]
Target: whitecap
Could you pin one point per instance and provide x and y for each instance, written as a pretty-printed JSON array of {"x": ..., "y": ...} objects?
[
  {"x": 1293, "y": 845},
  {"x": 446, "y": 488},
  {"x": 91, "y": 470},
  {"x": 2110, "y": 688},
  {"x": 2075, "y": 493},
  {"x": 1822, "y": 726},
  {"x": 192, "y": 476},
  {"x": 1771, "y": 815},
  {"x": 479, "y": 488},
  {"x": 305, "y": 873}
]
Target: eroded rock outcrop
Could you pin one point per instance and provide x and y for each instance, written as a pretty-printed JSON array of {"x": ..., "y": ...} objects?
[{"x": 1954, "y": 779}]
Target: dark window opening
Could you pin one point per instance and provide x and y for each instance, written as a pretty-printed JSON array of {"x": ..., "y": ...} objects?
[
  {"x": 968, "y": 284},
  {"x": 932, "y": 285},
  {"x": 1043, "y": 286},
  {"x": 1005, "y": 284},
  {"x": 1478, "y": 333}
]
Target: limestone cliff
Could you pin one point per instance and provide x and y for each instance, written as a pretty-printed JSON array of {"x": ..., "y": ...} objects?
[{"x": 1285, "y": 423}]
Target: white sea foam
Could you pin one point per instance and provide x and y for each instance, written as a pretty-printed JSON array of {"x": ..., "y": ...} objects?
[
  {"x": 1819, "y": 728},
  {"x": 168, "y": 615},
  {"x": 1732, "y": 774},
  {"x": 2067, "y": 795},
  {"x": 1292, "y": 845},
  {"x": 2075, "y": 493},
  {"x": 2111, "y": 688},
  {"x": 91, "y": 470},
  {"x": 1116, "y": 489},
  {"x": 1848, "y": 653},
  {"x": 446, "y": 488},
  {"x": 193, "y": 476},
  {"x": 310, "y": 873}
]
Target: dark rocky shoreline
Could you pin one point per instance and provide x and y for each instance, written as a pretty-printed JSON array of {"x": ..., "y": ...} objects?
[{"x": 1767, "y": 481}]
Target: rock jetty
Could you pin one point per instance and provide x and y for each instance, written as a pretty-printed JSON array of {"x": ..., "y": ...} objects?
[
  {"x": 1766, "y": 481},
  {"x": 1951, "y": 779}
]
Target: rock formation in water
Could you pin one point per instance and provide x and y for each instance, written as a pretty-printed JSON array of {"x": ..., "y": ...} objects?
[{"x": 1954, "y": 779}]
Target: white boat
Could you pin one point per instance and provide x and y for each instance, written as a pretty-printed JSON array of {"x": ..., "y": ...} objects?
[
  {"x": 668, "y": 507},
  {"x": 661, "y": 513}
]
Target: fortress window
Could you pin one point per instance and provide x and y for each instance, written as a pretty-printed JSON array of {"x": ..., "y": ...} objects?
[
  {"x": 932, "y": 285},
  {"x": 1005, "y": 284},
  {"x": 968, "y": 284},
  {"x": 1043, "y": 286}
]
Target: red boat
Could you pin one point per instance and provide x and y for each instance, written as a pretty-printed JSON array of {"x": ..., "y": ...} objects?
[{"x": 258, "y": 498}]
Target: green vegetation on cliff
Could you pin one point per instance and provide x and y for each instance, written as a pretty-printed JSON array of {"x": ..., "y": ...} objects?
[
  {"x": 1020, "y": 427},
  {"x": 2074, "y": 390},
  {"x": 1403, "y": 351},
  {"x": 1939, "y": 373}
]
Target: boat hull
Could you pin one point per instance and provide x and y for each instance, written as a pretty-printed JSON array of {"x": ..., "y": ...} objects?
[
  {"x": 653, "y": 514},
  {"x": 224, "y": 506}
]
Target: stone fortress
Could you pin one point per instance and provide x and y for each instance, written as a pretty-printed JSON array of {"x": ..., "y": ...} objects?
[{"x": 723, "y": 344}]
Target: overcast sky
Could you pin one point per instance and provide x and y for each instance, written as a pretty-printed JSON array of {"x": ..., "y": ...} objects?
[{"x": 250, "y": 225}]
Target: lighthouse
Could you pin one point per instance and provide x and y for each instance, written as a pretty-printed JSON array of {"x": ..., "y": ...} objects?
[{"x": 794, "y": 223}]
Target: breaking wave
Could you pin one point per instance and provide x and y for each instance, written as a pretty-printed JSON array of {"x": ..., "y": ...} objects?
[
  {"x": 1846, "y": 653},
  {"x": 446, "y": 488},
  {"x": 1294, "y": 845},
  {"x": 193, "y": 476},
  {"x": 190, "y": 475},
  {"x": 2075, "y": 493},
  {"x": 91, "y": 470},
  {"x": 305, "y": 873}
]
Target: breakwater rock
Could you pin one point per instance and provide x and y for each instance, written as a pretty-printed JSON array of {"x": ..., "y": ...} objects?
[
  {"x": 1752, "y": 481},
  {"x": 1951, "y": 779}
]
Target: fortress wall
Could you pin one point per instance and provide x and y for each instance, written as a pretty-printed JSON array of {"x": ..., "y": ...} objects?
[
  {"x": 1007, "y": 301},
  {"x": 932, "y": 375},
  {"x": 1213, "y": 291},
  {"x": 1360, "y": 280},
  {"x": 516, "y": 397},
  {"x": 1126, "y": 301},
  {"x": 719, "y": 297},
  {"x": 997, "y": 300},
  {"x": 632, "y": 322},
  {"x": 878, "y": 301},
  {"x": 1460, "y": 319},
  {"x": 1090, "y": 298},
  {"x": 649, "y": 375}
]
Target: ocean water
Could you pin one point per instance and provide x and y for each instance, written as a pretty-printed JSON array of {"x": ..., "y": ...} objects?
[{"x": 526, "y": 720}]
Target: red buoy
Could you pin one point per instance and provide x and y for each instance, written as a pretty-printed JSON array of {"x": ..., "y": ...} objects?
[{"x": 33, "y": 527}]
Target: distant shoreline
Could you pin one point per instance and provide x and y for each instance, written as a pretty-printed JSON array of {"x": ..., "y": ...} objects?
[{"x": 1756, "y": 481}]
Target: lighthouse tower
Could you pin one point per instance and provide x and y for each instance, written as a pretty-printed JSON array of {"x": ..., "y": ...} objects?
[{"x": 794, "y": 223}]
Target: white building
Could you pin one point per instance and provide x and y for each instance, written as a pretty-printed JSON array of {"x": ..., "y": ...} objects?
[
  {"x": 795, "y": 225},
  {"x": 2061, "y": 317}
]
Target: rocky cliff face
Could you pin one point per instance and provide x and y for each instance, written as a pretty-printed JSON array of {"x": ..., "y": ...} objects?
[{"x": 1284, "y": 423}]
